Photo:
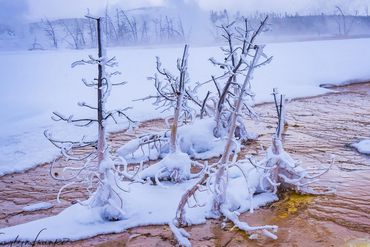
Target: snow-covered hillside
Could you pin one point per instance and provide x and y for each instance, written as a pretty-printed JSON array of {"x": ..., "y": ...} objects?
[{"x": 36, "y": 83}]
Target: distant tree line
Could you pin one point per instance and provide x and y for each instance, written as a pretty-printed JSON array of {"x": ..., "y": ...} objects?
[
  {"x": 119, "y": 28},
  {"x": 159, "y": 26},
  {"x": 337, "y": 24}
]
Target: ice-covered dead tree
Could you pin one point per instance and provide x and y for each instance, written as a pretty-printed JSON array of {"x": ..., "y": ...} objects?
[
  {"x": 216, "y": 177},
  {"x": 280, "y": 170},
  {"x": 240, "y": 43},
  {"x": 171, "y": 95},
  {"x": 98, "y": 171},
  {"x": 215, "y": 110},
  {"x": 277, "y": 171}
]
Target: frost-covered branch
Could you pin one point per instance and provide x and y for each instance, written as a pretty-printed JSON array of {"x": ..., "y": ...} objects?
[
  {"x": 216, "y": 178},
  {"x": 237, "y": 58},
  {"x": 281, "y": 171},
  {"x": 82, "y": 122},
  {"x": 98, "y": 174},
  {"x": 170, "y": 89}
]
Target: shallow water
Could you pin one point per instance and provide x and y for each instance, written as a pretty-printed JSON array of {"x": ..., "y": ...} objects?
[{"x": 319, "y": 127}]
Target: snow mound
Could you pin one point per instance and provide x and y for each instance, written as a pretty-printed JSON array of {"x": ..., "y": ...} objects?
[
  {"x": 362, "y": 146},
  {"x": 37, "y": 206},
  {"x": 174, "y": 165},
  {"x": 196, "y": 139}
]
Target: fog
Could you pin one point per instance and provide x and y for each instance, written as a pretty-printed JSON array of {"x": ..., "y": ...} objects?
[
  {"x": 20, "y": 20},
  {"x": 13, "y": 13},
  {"x": 63, "y": 8},
  {"x": 282, "y": 6},
  {"x": 12, "y": 23}
]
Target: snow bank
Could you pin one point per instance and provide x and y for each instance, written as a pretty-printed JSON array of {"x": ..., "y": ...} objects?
[
  {"x": 362, "y": 146},
  {"x": 144, "y": 205},
  {"x": 36, "y": 83}
]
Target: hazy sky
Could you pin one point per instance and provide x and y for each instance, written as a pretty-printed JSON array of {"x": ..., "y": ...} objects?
[{"x": 36, "y": 9}]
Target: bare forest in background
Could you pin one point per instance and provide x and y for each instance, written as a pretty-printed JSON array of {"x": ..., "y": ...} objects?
[{"x": 160, "y": 25}]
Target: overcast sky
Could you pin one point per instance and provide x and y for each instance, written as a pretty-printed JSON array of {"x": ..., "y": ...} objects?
[{"x": 36, "y": 9}]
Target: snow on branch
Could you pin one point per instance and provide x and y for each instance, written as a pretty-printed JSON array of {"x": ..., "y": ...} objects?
[
  {"x": 216, "y": 177},
  {"x": 238, "y": 56},
  {"x": 169, "y": 87},
  {"x": 280, "y": 169},
  {"x": 81, "y": 122},
  {"x": 98, "y": 174}
]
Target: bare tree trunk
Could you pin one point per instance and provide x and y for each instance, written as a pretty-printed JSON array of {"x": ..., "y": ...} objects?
[
  {"x": 92, "y": 30},
  {"x": 144, "y": 32},
  {"x": 245, "y": 47},
  {"x": 174, "y": 127},
  {"x": 50, "y": 31},
  {"x": 132, "y": 25},
  {"x": 73, "y": 33},
  {"x": 226, "y": 154},
  {"x": 101, "y": 130},
  {"x": 221, "y": 178},
  {"x": 180, "y": 212}
]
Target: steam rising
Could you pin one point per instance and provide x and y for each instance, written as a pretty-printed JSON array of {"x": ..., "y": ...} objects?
[
  {"x": 194, "y": 15},
  {"x": 12, "y": 12}
]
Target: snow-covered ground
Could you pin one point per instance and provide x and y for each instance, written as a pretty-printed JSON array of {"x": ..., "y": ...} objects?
[
  {"x": 157, "y": 207},
  {"x": 36, "y": 83}
]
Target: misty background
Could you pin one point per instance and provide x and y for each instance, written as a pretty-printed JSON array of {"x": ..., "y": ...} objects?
[{"x": 52, "y": 24}]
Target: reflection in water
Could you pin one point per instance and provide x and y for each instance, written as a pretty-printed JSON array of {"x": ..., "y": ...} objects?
[
  {"x": 357, "y": 243},
  {"x": 350, "y": 206}
]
